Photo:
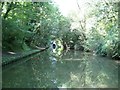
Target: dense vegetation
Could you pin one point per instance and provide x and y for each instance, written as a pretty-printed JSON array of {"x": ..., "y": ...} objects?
[{"x": 26, "y": 25}]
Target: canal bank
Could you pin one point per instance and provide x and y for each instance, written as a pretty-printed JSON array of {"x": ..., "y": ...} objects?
[{"x": 10, "y": 57}]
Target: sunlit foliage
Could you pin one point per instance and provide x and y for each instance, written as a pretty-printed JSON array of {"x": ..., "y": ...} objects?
[
  {"x": 29, "y": 24},
  {"x": 103, "y": 35}
]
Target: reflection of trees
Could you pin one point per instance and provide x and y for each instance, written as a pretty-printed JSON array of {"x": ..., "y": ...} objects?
[
  {"x": 93, "y": 72},
  {"x": 45, "y": 71},
  {"x": 52, "y": 73},
  {"x": 101, "y": 73}
]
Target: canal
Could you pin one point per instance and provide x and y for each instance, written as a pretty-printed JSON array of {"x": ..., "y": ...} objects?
[{"x": 72, "y": 69}]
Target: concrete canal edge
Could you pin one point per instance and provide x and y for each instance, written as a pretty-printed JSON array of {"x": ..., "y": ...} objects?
[{"x": 14, "y": 58}]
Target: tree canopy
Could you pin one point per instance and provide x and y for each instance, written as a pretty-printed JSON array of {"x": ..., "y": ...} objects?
[{"x": 29, "y": 24}]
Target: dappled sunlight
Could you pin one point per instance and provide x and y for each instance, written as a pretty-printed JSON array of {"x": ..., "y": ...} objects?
[
  {"x": 60, "y": 44},
  {"x": 74, "y": 77},
  {"x": 75, "y": 81}
]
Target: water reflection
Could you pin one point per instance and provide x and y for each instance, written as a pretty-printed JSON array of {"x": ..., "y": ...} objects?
[{"x": 72, "y": 69}]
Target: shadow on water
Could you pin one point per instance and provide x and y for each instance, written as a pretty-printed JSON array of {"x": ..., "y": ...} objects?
[{"x": 71, "y": 70}]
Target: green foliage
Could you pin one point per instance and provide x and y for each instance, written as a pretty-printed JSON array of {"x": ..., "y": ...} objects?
[
  {"x": 104, "y": 34},
  {"x": 30, "y": 24}
]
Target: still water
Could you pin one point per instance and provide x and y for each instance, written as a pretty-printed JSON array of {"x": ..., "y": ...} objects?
[{"x": 72, "y": 69}]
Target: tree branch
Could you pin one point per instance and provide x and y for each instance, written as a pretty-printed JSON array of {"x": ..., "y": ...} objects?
[{"x": 8, "y": 10}]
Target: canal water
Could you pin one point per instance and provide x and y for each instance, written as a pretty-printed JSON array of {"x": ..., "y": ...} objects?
[{"x": 72, "y": 69}]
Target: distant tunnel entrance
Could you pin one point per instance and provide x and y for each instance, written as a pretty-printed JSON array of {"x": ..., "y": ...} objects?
[{"x": 54, "y": 46}]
